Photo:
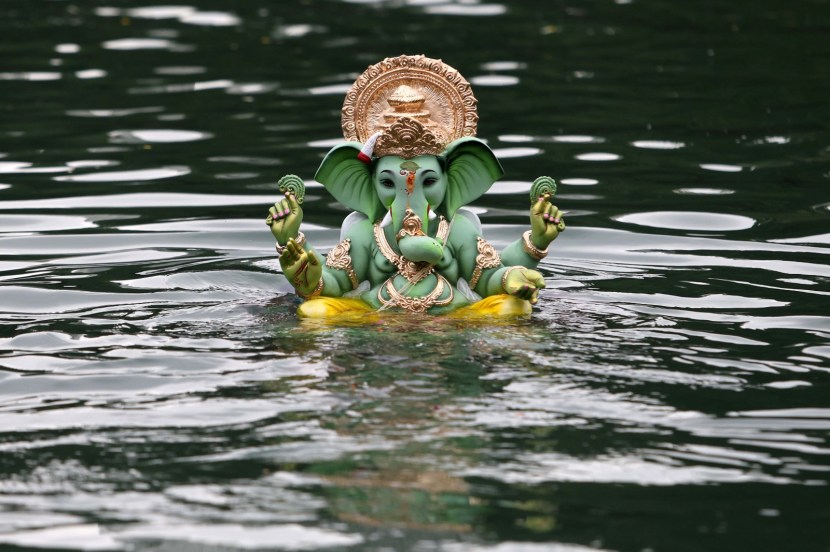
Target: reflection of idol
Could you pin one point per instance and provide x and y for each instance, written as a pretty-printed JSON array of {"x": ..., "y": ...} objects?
[{"x": 398, "y": 496}]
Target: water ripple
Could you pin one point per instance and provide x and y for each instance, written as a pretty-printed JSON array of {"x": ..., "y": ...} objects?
[
  {"x": 126, "y": 44},
  {"x": 678, "y": 220},
  {"x": 125, "y": 176},
  {"x": 32, "y": 76},
  {"x": 184, "y": 14},
  {"x": 157, "y": 389},
  {"x": 475, "y": 10},
  {"x": 157, "y": 136}
]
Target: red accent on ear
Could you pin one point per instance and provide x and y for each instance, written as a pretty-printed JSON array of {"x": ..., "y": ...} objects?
[{"x": 364, "y": 158}]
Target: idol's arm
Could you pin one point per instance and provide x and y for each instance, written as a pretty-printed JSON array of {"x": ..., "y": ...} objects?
[
  {"x": 347, "y": 264},
  {"x": 487, "y": 273}
]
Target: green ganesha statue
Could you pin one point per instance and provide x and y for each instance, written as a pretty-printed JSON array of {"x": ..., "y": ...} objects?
[{"x": 408, "y": 166}]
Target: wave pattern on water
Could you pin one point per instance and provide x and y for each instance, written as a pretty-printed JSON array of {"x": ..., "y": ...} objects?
[{"x": 158, "y": 392}]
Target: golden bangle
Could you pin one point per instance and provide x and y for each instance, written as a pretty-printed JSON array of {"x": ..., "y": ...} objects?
[
  {"x": 531, "y": 249},
  {"x": 505, "y": 275},
  {"x": 299, "y": 240},
  {"x": 340, "y": 259},
  {"x": 317, "y": 291}
]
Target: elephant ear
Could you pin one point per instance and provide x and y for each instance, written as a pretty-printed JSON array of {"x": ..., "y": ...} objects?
[
  {"x": 349, "y": 180},
  {"x": 472, "y": 168}
]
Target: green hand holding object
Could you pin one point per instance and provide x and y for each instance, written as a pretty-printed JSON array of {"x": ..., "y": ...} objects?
[
  {"x": 285, "y": 217},
  {"x": 523, "y": 283},
  {"x": 546, "y": 220}
]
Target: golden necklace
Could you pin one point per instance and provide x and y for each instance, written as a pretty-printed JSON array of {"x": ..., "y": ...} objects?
[
  {"x": 413, "y": 271},
  {"x": 415, "y": 304}
]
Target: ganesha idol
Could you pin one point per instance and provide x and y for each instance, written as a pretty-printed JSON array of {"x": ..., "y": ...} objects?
[{"x": 409, "y": 164}]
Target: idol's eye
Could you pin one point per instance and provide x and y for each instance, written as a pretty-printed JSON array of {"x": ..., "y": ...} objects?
[
  {"x": 386, "y": 183},
  {"x": 430, "y": 181}
]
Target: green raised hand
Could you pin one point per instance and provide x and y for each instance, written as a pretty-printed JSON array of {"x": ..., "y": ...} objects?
[
  {"x": 546, "y": 222},
  {"x": 285, "y": 218}
]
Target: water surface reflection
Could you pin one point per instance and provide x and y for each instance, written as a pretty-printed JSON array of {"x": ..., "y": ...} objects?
[{"x": 158, "y": 392}]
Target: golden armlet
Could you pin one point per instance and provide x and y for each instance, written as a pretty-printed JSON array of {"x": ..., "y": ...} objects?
[
  {"x": 487, "y": 257},
  {"x": 340, "y": 259}
]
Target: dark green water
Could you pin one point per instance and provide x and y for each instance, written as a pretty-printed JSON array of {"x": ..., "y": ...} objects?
[{"x": 671, "y": 392}]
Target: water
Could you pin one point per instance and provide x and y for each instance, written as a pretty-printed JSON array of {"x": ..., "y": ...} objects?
[{"x": 669, "y": 392}]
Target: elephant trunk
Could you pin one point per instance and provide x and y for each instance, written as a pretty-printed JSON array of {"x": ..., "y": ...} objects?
[
  {"x": 405, "y": 204},
  {"x": 421, "y": 249},
  {"x": 413, "y": 241}
]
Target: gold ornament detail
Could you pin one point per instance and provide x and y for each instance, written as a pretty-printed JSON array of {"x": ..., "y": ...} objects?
[
  {"x": 299, "y": 240},
  {"x": 506, "y": 275},
  {"x": 406, "y": 102},
  {"x": 487, "y": 257},
  {"x": 426, "y": 91},
  {"x": 339, "y": 258},
  {"x": 532, "y": 250},
  {"x": 443, "y": 230},
  {"x": 411, "y": 270},
  {"x": 408, "y": 138},
  {"x": 416, "y": 304},
  {"x": 315, "y": 292},
  {"x": 410, "y": 226}
]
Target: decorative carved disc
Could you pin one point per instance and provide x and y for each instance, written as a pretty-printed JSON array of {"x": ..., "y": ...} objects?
[{"x": 444, "y": 100}]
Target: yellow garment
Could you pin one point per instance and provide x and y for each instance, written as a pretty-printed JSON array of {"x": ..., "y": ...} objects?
[
  {"x": 493, "y": 306},
  {"x": 339, "y": 307},
  {"x": 329, "y": 307}
]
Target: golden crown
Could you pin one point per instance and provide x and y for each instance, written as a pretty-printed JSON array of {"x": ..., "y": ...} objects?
[{"x": 417, "y": 104}]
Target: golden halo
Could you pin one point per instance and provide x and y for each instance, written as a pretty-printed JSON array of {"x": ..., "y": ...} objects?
[{"x": 445, "y": 101}]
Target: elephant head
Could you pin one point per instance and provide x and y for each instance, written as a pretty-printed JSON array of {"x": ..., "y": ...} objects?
[{"x": 443, "y": 183}]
